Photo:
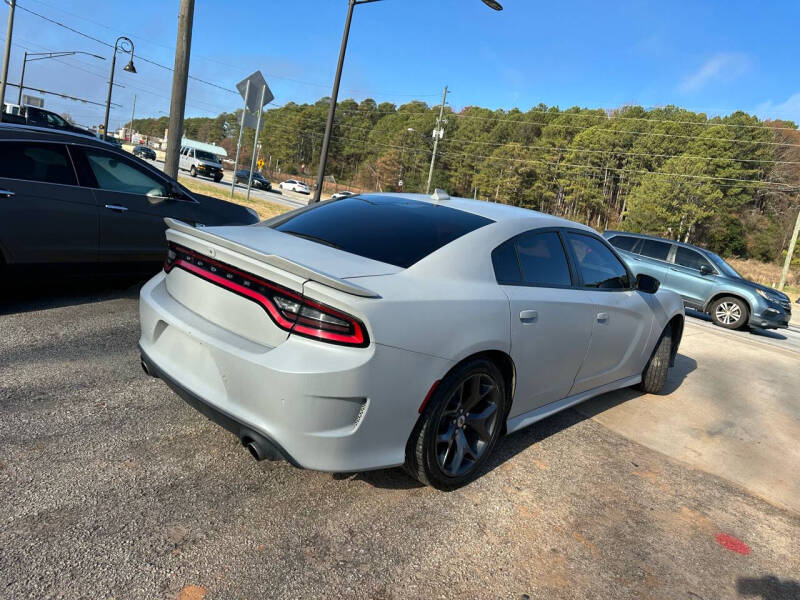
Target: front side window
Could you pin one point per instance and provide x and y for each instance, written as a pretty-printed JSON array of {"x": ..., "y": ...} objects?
[
  {"x": 117, "y": 175},
  {"x": 48, "y": 163},
  {"x": 690, "y": 259},
  {"x": 597, "y": 265},
  {"x": 542, "y": 259},
  {"x": 655, "y": 249}
]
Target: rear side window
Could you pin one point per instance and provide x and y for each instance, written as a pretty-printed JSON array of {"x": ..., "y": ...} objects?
[
  {"x": 598, "y": 266},
  {"x": 655, "y": 249},
  {"x": 505, "y": 263},
  {"x": 397, "y": 231},
  {"x": 690, "y": 259},
  {"x": 542, "y": 259},
  {"x": 623, "y": 242},
  {"x": 32, "y": 161}
]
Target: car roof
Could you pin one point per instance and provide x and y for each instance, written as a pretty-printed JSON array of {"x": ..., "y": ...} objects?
[
  {"x": 47, "y": 134},
  {"x": 655, "y": 237},
  {"x": 494, "y": 210}
]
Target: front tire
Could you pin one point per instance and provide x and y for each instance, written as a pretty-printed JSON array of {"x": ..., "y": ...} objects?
[
  {"x": 654, "y": 375},
  {"x": 459, "y": 427},
  {"x": 193, "y": 171},
  {"x": 730, "y": 313},
  {"x": 217, "y": 178}
]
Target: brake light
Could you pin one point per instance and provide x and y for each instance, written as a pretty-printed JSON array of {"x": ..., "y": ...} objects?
[{"x": 288, "y": 310}]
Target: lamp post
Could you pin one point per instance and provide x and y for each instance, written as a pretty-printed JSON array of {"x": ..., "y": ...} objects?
[
  {"x": 323, "y": 156},
  {"x": 43, "y": 56},
  {"x": 123, "y": 44}
]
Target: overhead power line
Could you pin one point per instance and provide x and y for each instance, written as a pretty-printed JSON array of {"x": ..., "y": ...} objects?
[{"x": 138, "y": 57}]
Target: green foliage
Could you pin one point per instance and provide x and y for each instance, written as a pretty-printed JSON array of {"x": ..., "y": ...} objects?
[{"x": 724, "y": 182}]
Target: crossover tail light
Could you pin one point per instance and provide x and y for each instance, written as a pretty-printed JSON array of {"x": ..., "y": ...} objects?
[{"x": 288, "y": 310}]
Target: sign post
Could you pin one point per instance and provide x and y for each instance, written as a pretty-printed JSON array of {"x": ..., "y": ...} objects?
[{"x": 251, "y": 116}]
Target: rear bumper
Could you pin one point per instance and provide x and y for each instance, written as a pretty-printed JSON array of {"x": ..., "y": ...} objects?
[{"x": 325, "y": 407}]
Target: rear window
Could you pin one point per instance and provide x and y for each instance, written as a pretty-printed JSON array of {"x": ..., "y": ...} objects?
[
  {"x": 393, "y": 230},
  {"x": 655, "y": 249},
  {"x": 623, "y": 242}
]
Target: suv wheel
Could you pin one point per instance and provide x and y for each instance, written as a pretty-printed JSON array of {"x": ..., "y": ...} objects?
[
  {"x": 730, "y": 313},
  {"x": 460, "y": 426},
  {"x": 193, "y": 171}
]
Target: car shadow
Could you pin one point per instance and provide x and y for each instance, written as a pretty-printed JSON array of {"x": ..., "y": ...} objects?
[
  {"x": 513, "y": 444},
  {"x": 36, "y": 294},
  {"x": 769, "y": 333},
  {"x": 768, "y": 587}
]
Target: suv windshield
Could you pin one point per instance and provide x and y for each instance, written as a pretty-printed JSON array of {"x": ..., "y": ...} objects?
[
  {"x": 203, "y": 155},
  {"x": 724, "y": 267},
  {"x": 398, "y": 231}
]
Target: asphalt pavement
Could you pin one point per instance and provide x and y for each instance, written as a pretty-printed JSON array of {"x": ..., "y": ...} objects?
[
  {"x": 112, "y": 487},
  {"x": 285, "y": 197}
]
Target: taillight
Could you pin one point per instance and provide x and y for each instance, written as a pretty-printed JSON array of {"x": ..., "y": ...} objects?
[{"x": 288, "y": 310}]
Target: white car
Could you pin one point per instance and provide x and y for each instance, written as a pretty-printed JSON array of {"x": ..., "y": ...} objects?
[
  {"x": 295, "y": 186},
  {"x": 342, "y": 194},
  {"x": 399, "y": 329}
]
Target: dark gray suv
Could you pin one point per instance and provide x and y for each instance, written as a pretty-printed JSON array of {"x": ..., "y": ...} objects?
[
  {"x": 71, "y": 201},
  {"x": 704, "y": 280}
]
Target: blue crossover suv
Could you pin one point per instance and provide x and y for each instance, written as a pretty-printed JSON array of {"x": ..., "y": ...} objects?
[{"x": 704, "y": 280}]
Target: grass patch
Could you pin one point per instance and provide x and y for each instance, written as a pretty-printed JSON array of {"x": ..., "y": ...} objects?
[
  {"x": 764, "y": 273},
  {"x": 264, "y": 208}
]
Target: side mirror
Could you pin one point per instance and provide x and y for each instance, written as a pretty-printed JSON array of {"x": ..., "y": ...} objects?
[
  {"x": 647, "y": 284},
  {"x": 705, "y": 270}
]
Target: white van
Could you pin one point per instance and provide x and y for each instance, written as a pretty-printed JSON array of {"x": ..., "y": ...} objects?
[{"x": 200, "y": 162}]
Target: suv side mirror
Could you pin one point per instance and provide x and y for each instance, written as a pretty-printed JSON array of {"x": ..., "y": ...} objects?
[
  {"x": 647, "y": 284},
  {"x": 705, "y": 270}
]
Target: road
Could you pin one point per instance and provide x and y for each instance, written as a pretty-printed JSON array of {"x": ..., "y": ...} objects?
[
  {"x": 112, "y": 487},
  {"x": 787, "y": 339},
  {"x": 286, "y": 198}
]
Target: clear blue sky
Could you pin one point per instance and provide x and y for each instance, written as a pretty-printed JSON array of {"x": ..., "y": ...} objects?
[{"x": 709, "y": 56}]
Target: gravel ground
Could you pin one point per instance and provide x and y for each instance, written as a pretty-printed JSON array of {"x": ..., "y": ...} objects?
[{"x": 112, "y": 487}]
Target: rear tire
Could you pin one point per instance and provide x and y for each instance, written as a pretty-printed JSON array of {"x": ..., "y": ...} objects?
[
  {"x": 655, "y": 373},
  {"x": 459, "y": 427},
  {"x": 193, "y": 171},
  {"x": 729, "y": 312}
]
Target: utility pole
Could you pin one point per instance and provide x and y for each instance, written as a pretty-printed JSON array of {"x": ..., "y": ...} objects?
[
  {"x": 180, "y": 77},
  {"x": 133, "y": 109},
  {"x": 790, "y": 253},
  {"x": 12, "y": 6},
  {"x": 437, "y": 135}
]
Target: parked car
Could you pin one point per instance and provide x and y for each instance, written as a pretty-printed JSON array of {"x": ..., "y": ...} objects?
[
  {"x": 704, "y": 281},
  {"x": 200, "y": 162},
  {"x": 39, "y": 117},
  {"x": 259, "y": 181},
  {"x": 144, "y": 152},
  {"x": 342, "y": 194},
  {"x": 382, "y": 330},
  {"x": 295, "y": 186},
  {"x": 70, "y": 202}
]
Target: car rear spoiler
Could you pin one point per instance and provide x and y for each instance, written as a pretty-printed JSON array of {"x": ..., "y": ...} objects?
[{"x": 273, "y": 259}]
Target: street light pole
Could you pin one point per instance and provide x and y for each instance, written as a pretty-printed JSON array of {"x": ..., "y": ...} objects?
[
  {"x": 9, "y": 30},
  {"x": 43, "y": 56},
  {"x": 123, "y": 44},
  {"x": 323, "y": 156}
]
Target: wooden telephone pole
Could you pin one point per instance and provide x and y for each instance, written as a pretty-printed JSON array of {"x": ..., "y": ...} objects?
[{"x": 180, "y": 77}]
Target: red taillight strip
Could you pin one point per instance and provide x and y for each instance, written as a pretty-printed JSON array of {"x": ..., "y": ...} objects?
[{"x": 357, "y": 338}]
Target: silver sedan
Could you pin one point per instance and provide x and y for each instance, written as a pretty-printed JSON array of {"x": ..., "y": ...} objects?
[{"x": 382, "y": 330}]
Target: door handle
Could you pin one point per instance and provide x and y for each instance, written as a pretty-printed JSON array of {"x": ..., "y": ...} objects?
[
  {"x": 116, "y": 207},
  {"x": 528, "y": 316},
  {"x": 6, "y": 193},
  {"x": 674, "y": 269},
  {"x": 602, "y": 317}
]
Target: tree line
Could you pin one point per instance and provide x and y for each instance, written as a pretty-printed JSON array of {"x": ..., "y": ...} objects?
[{"x": 729, "y": 183}]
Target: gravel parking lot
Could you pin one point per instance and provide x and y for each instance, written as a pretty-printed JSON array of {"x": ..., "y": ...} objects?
[{"x": 112, "y": 487}]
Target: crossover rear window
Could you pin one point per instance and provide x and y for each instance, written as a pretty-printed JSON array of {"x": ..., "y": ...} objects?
[{"x": 398, "y": 231}]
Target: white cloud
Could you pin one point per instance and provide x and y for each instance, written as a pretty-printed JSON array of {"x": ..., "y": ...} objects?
[
  {"x": 724, "y": 66},
  {"x": 788, "y": 110}
]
